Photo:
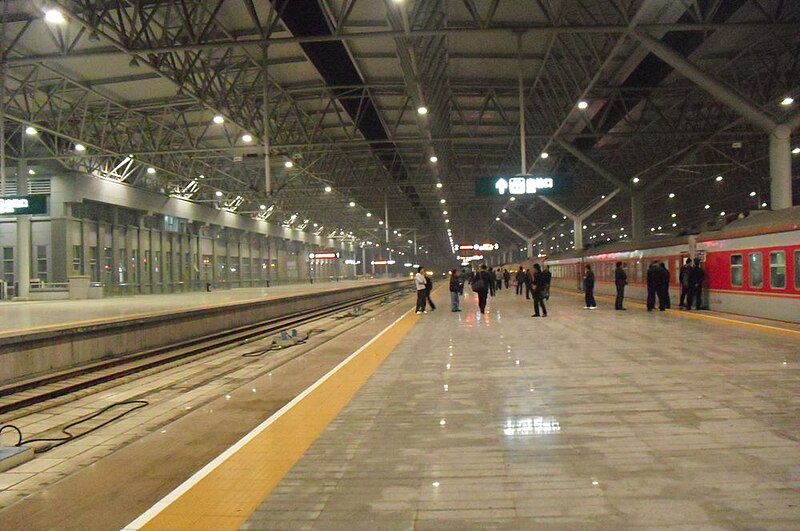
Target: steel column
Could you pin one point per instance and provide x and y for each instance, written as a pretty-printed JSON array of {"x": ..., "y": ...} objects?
[
  {"x": 780, "y": 168},
  {"x": 23, "y": 256}
]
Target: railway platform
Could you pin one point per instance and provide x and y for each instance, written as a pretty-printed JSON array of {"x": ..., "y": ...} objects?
[{"x": 581, "y": 420}]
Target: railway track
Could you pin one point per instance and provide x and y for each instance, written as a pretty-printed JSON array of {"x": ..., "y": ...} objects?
[{"x": 38, "y": 390}]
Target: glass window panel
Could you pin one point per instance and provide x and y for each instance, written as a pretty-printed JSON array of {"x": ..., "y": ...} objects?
[
  {"x": 777, "y": 269},
  {"x": 797, "y": 270},
  {"x": 736, "y": 270},
  {"x": 756, "y": 270}
]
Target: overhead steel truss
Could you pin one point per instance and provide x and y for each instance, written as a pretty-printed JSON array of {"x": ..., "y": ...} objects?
[{"x": 221, "y": 57}]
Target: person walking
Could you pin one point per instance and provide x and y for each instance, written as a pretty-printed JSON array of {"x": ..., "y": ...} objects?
[
  {"x": 652, "y": 282},
  {"x": 620, "y": 281},
  {"x": 696, "y": 277},
  {"x": 419, "y": 283},
  {"x": 539, "y": 285},
  {"x": 683, "y": 278},
  {"x": 455, "y": 289},
  {"x": 480, "y": 285},
  {"x": 428, "y": 289},
  {"x": 462, "y": 279},
  {"x": 506, "y": 277},
  {"x": 588, "y": 288},
  {"x": 492, "y": 281}
]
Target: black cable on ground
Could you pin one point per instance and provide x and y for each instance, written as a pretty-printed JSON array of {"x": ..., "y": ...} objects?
[{"x": 58, "y": 441}]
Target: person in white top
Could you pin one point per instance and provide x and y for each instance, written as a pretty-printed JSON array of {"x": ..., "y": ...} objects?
[{"x": 419, "y": 283}]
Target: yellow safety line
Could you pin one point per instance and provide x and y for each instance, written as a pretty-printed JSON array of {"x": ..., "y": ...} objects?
[
  {"x": 721, "y": 320},
  {"x": 229, "y": 493}
]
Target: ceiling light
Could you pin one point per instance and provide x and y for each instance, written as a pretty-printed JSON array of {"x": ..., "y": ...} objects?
[
  {"x": 707, "y": 207},
  {"x": 54, "y": 16},
  {"x": 442, "y": 201},
  {"x": 219, "y": 119},
  {"x": 512, "y": 198},
  {"x": 722, "y": 213},
  {"x": 504, "y": 211},
  {"x": 544, "y": 154},
  {"x": 289, "y": 164},
  {"x": 352, "y": 203},
  {"x": 635, "y": 180},
  {"x": 444, "y": 212},
  {"x": 584, "y": 227},
  {"x": 218, "y": 193},
  {"x": 788, "y": 100},
  {"x": 422, "y": 110},
  {"x": 380, "y": 222},
  {"x": 671, "y": 195},
  {"x": 369, "y": 214},
  {"x": 763, "y": 205},
  {"x": 438, "y": 185},
  {"x": 613, "y": 216},
  {"x": 497, "y": 219},
  {"x": 328, "y": 189},
  {"x": 752, "y": 194},
  {"x": 674, "y": 215},
  {"x": 434, "y": 158},
  {"x": 247, "y": 138},
  {"x": 80, "y": 147},
  {"x": 262, "y": 207},
  {"x": 582, "y": 105},
  {"x": 718, "y": 178},
  {"x": 151, "y": 171},
  {"x": 30, "y": 130},
  {"x": 796, "y": 150},
  {"x": 31, "y": 172},
  {"x": 447, "y": 221},
  {"x": 202, "y": 176}
]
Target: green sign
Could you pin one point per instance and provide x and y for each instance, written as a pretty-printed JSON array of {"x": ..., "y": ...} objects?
[
  {"x": 519, "y": 185},
  {"x": 16, "y": 205}
]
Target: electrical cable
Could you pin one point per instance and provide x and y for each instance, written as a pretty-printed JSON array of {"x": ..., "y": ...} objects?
[{"x": 58, "y": 441}]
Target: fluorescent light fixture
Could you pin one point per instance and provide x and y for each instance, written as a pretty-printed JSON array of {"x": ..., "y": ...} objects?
[
  {"x": 151, "y": 171},
  {"x": 80, "y": 147},
  {"x": 247, "y": 138},
  {"x": 352, "y": 203},
  {"x": 289, "y": 164},
  {"x": 422, "y": 110},
  {"x": 544, "y": 155},
  {"x": 54, "y": 16},
  {"x": 635, "y": 180},
  {"x": 582, "y": 105},
  {"x": 788, "y": 100},
  {"x": 328, "y": 189},
  {"x": 219, "y": 119},
  {"x": 30, "y": 130},
  {"x": 218, "y": 193}
]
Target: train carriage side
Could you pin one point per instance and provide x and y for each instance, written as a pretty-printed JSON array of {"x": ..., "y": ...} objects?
[{"x": 756, "y": 275}]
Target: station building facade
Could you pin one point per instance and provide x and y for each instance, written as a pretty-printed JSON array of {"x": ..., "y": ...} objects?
[{"x": 133, "y": 241}]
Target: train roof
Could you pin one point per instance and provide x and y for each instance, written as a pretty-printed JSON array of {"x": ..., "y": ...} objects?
[{"x": 755, "y": 223}]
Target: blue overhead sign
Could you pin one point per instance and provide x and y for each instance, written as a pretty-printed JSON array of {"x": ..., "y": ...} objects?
[{"x": 518, "y": 185}]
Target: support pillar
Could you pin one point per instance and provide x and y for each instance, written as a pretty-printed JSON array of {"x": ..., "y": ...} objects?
[
  {"x": 23, "y": 255},
  {"x": 637, "y": 217},
  {"x": 780, "y": 168},
  {"x": 530, "y": 248},
  {"x": 577, "y": 227}
]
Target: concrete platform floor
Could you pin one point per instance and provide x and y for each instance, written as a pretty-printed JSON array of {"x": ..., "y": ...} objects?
[
  {"x": 583, "y": 420},
  {"x": 24, "y": 315}
]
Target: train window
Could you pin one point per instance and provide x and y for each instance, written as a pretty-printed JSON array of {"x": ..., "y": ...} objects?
[
  {"x": 797, "y": 270},
  {"x": 736, "y": 270},
  {"x": 756, "y": 270},
  {"x": 777, "y": 269}
]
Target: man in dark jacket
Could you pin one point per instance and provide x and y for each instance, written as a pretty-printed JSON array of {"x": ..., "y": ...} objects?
[
  {"x": 520, "y": 278},
  {"x": 492, "y": 281},
  {"x": 696, "y": 277},
  {"x": 662, "y": 287},
  {"x": 480, "y": 285},
  {"x": 588, "y": 288},
  {"x": 652, "y": 283},
  {"x": 539, "y": 282},
  {"x": 428, "y": 289},
  {"x": 548, "y": 277},
  {"x": 528, "y": 280},
  {"x": 455, "y": 289},
  {"x": 620, "y": 281},
  {"x": 683, "y": 278},
  {"x": 506, "y": 277}
]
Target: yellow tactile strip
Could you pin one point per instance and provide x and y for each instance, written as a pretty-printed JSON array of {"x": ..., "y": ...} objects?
[{"x": 228, "y": 490}]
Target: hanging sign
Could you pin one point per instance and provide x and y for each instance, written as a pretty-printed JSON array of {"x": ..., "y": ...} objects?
[
  {"x": 323, "y": 256},
  {"x": 519, "y": 185},
  {"x": 16, "y": 205},
  {"x": 479, "y": 247}
]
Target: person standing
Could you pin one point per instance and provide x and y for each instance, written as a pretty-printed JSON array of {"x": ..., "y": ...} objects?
[
  {"x": 480, "y": 285},
  {"x": 539, "y": 285},
  {"x": 419, "y": 283},
  {"x": 455, "y": 288},
  {"x": 696, "y": 277},
  {"x": 462, "y": 278},
  {"x": 548, "y": 277},
  {"x": 663, "y": 288},
  {"x": 428, "y": 289},
  {"x": 620, "y": 281},
  {"x": 683, "y": 278},
  {"x": 506, "y": 277},
  {"x": 519, "y": 277},
  {"x": 588, "y": 288},
  {"x": 652, "y": 282},
  {"x": 492, "y": 281},
  {"x": 528, "y": 280}
]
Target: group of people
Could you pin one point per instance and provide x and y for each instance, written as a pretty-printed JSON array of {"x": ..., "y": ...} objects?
[{"x": 536, "y": 285}]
